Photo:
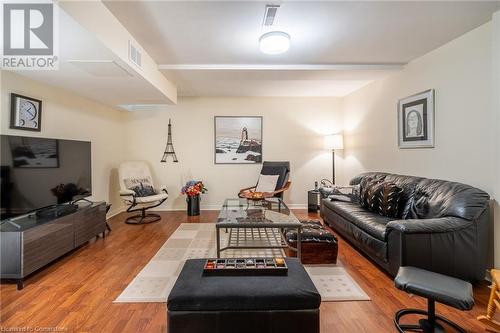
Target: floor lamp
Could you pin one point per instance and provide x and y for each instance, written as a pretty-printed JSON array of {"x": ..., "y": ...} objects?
[{"x": 334, "y": 142}]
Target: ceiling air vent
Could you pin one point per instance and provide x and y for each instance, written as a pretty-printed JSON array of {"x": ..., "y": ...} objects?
[
  {"x": 134, "y": 54},
  {"x": 270, "y": 14}
]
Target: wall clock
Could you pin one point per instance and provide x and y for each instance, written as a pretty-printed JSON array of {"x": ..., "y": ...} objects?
[{"x": 25, "y": 113}]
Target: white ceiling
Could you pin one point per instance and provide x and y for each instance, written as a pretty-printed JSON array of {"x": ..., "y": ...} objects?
[
  {"x": 227, "y": 32},
  {"x": 89, "y": 69},
  {"x": 218, "y": 41}
]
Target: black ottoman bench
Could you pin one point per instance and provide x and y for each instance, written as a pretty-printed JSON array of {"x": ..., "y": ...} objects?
[
  {"x": 229, "y": 304},
  {"x": 436, "y": 288},
  {"x": 318, "y": 245}
]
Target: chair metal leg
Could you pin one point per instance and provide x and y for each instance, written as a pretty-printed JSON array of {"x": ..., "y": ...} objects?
[
  {"x": 426, "y": 325},
  {"x": 143, "y": 218}
]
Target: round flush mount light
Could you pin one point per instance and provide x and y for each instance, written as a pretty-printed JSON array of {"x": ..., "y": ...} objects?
[{"x": 274, "y": 42}]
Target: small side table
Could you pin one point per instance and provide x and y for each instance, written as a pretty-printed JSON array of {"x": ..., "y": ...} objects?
[{"x": 313, "y": 200}]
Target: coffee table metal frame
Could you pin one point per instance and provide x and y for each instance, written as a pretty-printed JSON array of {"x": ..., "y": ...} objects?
[{"x": 257, "y": 233}]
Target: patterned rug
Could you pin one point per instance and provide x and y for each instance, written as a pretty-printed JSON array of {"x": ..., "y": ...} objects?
[{"x": 197, "y": 240}]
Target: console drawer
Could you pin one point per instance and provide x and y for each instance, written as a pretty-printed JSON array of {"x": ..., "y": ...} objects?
[{"x": 46, "y": 243}]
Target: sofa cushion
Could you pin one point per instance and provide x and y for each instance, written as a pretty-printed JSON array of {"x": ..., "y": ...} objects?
[
  {"x": 375, "y": 248},
  {"x": 371, "y": 223},
  {"x": 439, "y": 198}
]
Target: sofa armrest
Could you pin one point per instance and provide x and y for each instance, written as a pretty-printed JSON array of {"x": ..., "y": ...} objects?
[
  {"x": 163, "y": 188},
  {"x": 448, "y": 245},
  {"x": 423, "y": 226}
]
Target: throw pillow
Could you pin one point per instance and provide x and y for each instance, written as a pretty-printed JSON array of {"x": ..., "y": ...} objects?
[
  {"x": 384, "y": 199},
  {"x": 267, "y": 183},
  {"x": 325, "y": 191},
  {"x": 143, "y": 190},
  {"x": 345, "y": 193},
  {"x": 366, "y": 191},
  {"x": 130, "y": 183}
]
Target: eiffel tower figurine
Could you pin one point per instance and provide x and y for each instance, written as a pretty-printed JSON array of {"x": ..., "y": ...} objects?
[{"x": 169, "y": 149}]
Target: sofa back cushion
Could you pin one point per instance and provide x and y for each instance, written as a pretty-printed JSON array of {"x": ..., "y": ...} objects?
[
  {"x": 430, "y": 198},
  {"x": 439, "y": 198}
]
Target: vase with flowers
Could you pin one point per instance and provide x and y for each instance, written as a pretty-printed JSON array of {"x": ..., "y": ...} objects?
[{"x": 192, "y": 190}]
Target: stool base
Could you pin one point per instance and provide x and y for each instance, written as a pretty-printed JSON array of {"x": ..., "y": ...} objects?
[{"x": 426, "y": 325}]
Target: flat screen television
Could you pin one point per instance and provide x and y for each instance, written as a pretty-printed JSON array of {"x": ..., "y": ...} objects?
[{"x": 41, "y": 172}]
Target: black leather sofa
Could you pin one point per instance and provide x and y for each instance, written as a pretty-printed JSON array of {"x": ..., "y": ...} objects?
[{"x": 443, "y": 228}]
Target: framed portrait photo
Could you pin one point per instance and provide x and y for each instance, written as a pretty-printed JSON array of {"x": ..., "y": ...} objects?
[
  {"x": 416, "y": 120},
  {"x": 238, "y": 140},
  {"x": 25, "y": 113}
]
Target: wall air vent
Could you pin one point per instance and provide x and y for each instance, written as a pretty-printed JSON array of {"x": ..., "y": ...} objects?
[
  {"x": 269, "y": 15},
  {"x": 134, "y": 54}
]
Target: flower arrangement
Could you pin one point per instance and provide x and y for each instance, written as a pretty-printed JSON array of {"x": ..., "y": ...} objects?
[{"x": 193, "y": 188}]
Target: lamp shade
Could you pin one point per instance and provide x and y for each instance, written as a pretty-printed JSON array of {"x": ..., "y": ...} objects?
[{"x": 334, "y": 141}]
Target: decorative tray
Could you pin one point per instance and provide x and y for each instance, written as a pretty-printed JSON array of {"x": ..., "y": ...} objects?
[
  {"x": 256, "y": 196},
  {"x": 245, "y": 266}
]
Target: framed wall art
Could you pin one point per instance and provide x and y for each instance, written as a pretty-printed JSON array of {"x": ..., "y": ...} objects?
[
  {"x": 416, "y": 120},
  {"x": 238, "y": 140}
]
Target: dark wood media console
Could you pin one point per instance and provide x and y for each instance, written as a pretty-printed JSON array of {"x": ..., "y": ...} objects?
[{"x": 30, "y": 243}]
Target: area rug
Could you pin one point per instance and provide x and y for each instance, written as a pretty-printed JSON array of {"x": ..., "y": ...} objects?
[{"x": 197, "y": 240}]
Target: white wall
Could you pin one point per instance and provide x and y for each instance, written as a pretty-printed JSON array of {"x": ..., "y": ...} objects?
[
  {"x": 68, "y": 116},
  {"x": 292, "y": 130},
  {"x": 496, "y": 110},
  {"x": 460, "y": 73}
]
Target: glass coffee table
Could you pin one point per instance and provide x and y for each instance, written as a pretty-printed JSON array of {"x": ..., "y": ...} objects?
[{"x": 256, "y": 225}]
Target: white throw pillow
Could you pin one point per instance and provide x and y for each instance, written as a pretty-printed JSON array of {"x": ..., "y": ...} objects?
[{"x": 267, "y": 183}]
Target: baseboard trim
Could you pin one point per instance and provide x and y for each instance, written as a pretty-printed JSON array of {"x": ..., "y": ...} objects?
[
  {"x": 117, "y": 211},
  {"x": 217, "y": 207},
  {"x": 114, "y": 212}
]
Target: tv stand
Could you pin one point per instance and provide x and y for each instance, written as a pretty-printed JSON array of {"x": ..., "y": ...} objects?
[
  {"x": 57, "y": 210},
  {"x": 37, "y": 240}
]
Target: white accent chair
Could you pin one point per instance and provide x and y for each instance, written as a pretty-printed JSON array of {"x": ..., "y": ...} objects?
[{"x": 137, "y": 172}]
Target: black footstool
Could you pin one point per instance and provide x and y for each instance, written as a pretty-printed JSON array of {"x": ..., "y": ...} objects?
[
  {"x": 436, "y": 288},
  {"x": 243, "y": 304},
  {"x": 318, "y": 245}
]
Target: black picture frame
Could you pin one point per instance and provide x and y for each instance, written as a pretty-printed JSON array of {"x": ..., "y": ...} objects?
[
  {"x": 14, "y": 113},
  {"x": 260, "y": 161}
]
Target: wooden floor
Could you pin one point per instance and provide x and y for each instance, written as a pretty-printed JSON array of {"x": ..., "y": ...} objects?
[{"x": 76, "y": 293}]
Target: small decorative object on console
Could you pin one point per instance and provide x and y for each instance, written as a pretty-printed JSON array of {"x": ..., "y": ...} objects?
[{"x": 192, "y": 190}]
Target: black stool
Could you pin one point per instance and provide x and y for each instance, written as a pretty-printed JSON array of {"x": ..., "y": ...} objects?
[{"x": 436, "y": 288}]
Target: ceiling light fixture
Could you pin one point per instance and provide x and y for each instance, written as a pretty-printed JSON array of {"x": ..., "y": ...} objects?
[{"x": 274, "y": 42}]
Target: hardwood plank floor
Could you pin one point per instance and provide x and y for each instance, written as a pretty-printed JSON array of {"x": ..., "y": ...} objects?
[{"x": 76, "y": 293}]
